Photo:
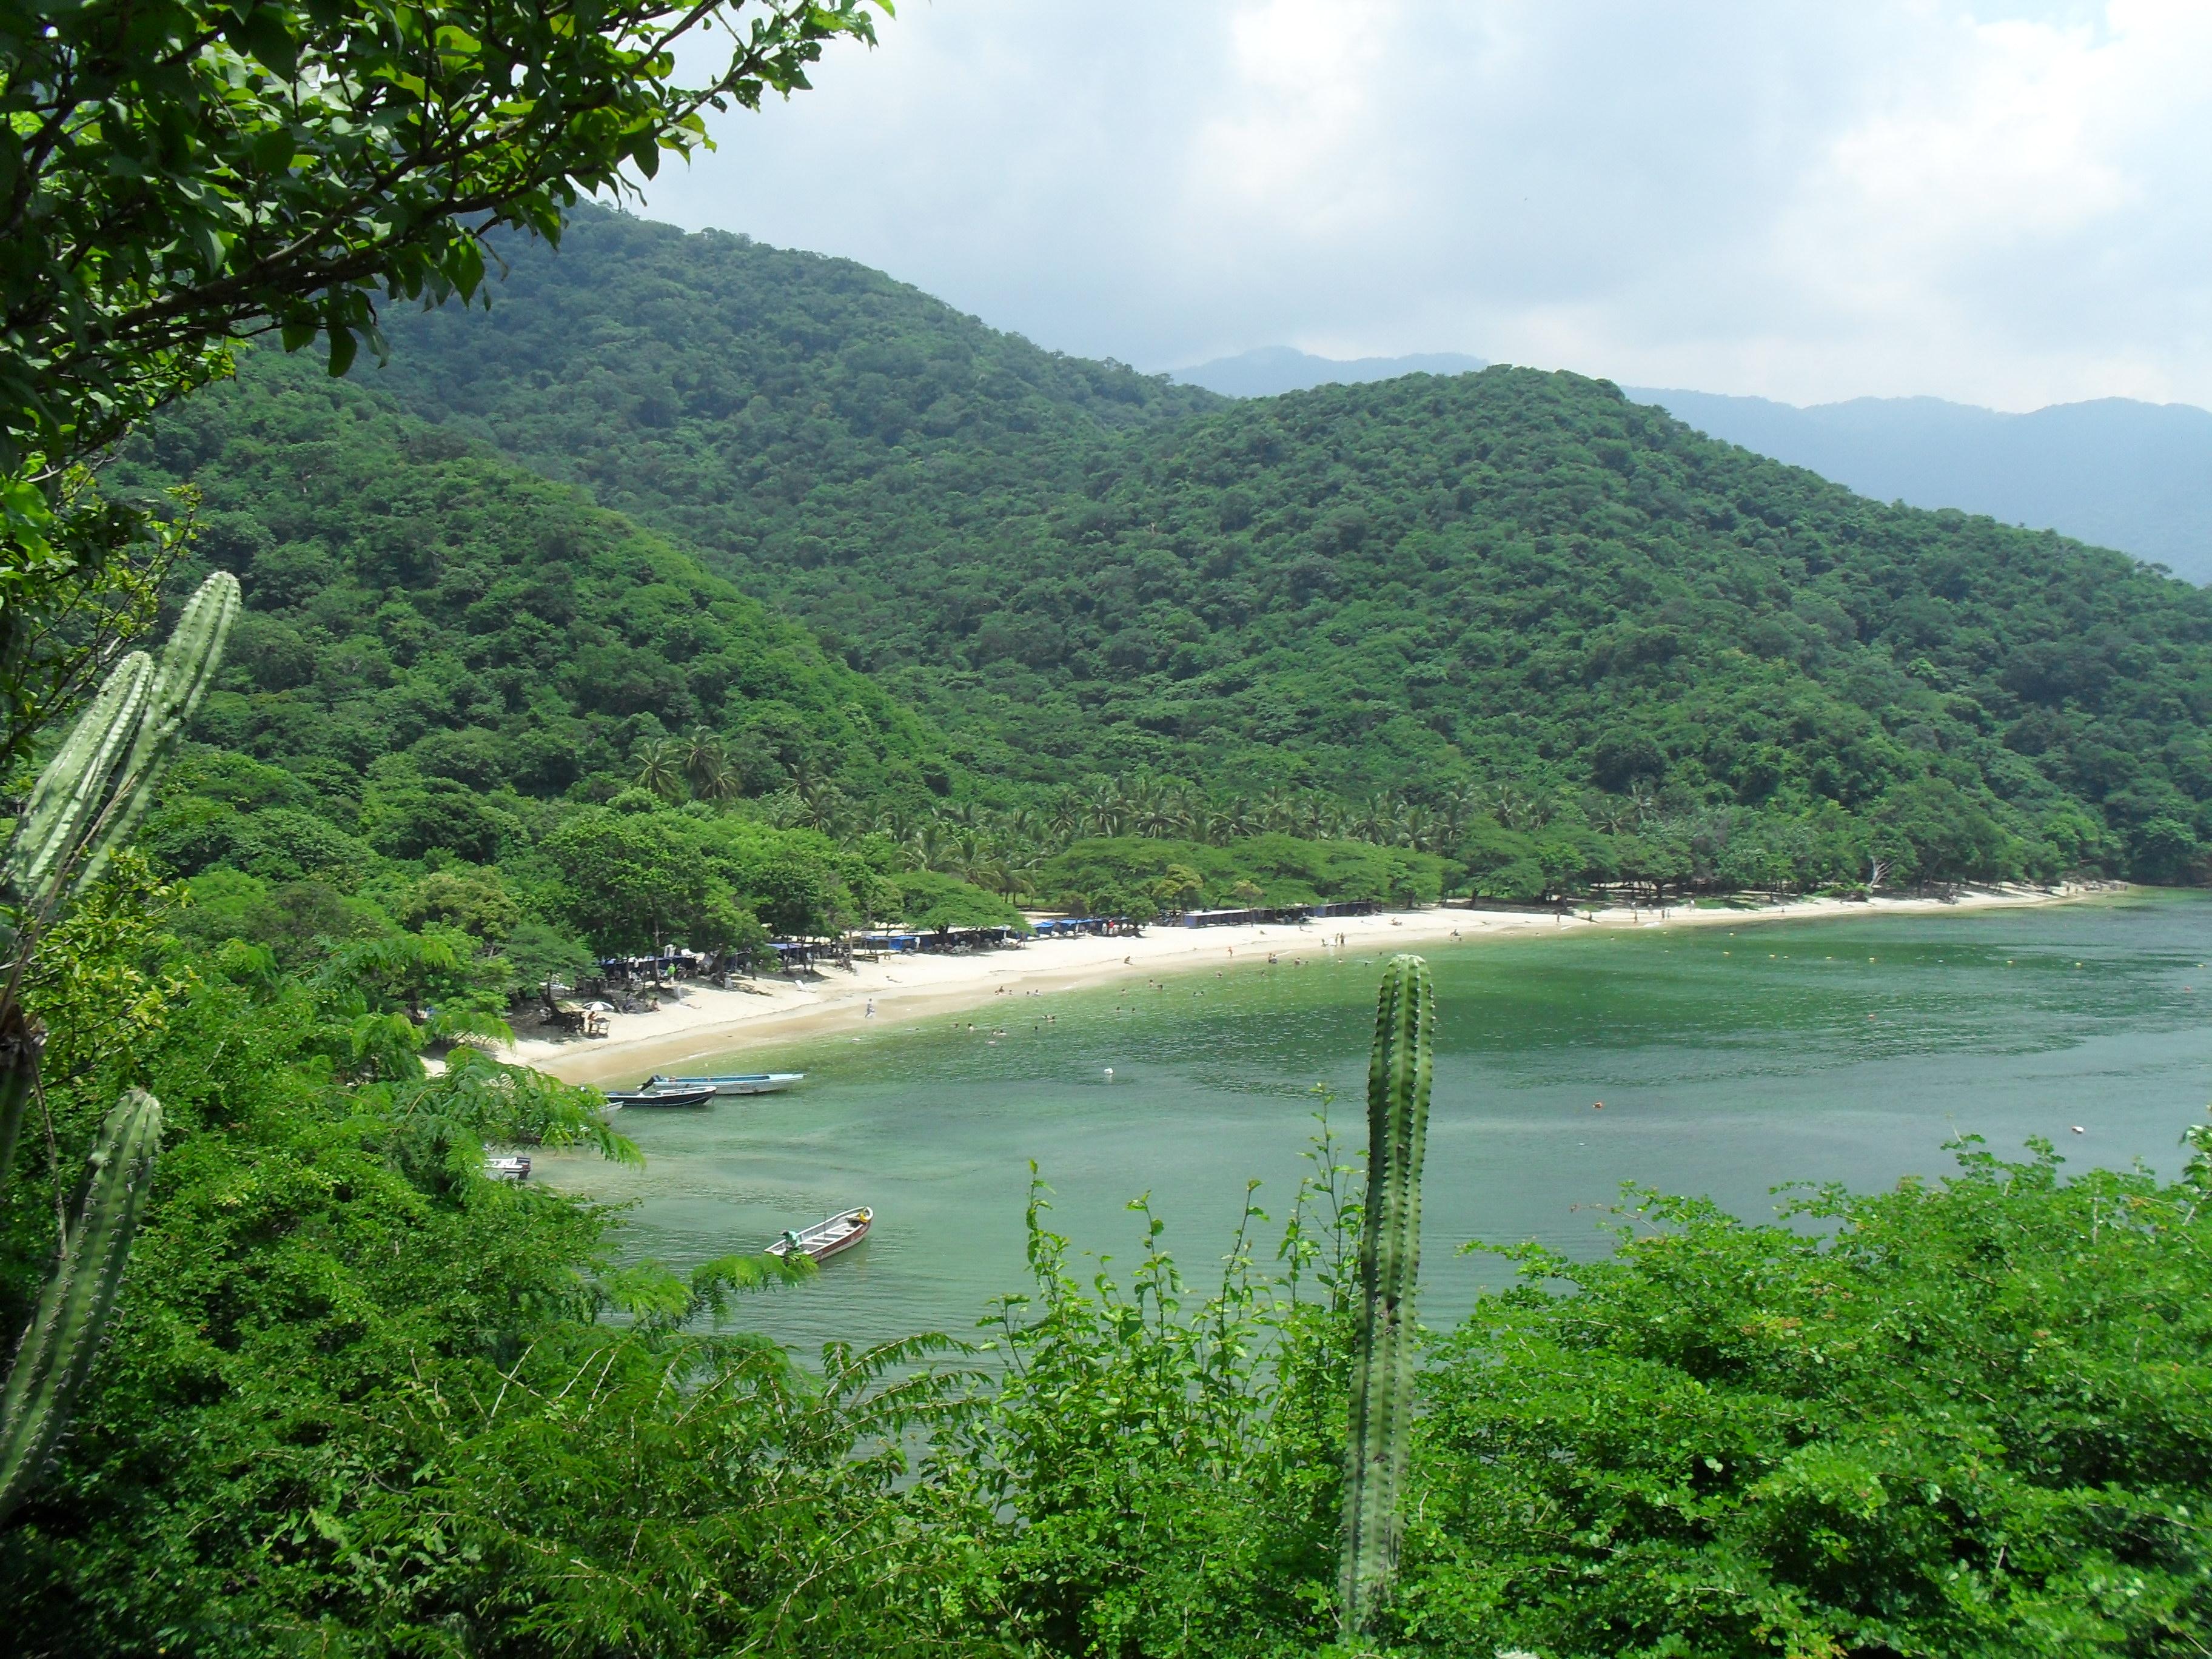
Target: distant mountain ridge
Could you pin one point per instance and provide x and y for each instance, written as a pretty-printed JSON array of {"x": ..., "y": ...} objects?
[
  {"x": 2113, "y": 471},
  {"x": 1272, "y": 370}
]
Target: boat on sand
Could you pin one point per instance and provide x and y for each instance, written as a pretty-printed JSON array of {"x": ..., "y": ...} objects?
[{"x": 825, "y": 1238}]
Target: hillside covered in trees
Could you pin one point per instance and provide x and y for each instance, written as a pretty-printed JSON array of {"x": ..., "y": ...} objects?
[
  {"x": 1533, "y": 626},
  {"x": 465, "y": 702}
]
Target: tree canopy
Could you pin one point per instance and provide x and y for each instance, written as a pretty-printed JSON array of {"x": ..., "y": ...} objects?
[{"x": 1412, "y": 587}]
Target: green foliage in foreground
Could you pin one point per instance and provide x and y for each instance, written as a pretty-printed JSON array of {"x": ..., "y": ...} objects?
[
  {"x": 358, "y": 1398},
  {"x": 86, "y": 801}
]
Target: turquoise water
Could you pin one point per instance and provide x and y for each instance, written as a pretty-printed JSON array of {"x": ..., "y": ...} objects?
[{"x": 1727, "y": 1062}]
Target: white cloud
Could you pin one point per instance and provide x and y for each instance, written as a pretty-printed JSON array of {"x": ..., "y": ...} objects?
[{"x": 2003, "y": 204}]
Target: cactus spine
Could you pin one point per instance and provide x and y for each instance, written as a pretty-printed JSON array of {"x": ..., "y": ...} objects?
[
  {"x": 90, "y": 796},
  {"x": 1398, "y": 1078}
]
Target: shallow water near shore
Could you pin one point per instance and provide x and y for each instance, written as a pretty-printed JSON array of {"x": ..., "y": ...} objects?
[{"x": 1727, "y": 1062}]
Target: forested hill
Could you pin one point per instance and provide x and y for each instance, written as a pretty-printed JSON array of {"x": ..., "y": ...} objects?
[
  {"x": 732, "y": 391},
  {"x": 417, "y": 609},
  {"x": 1503, "y": 581}
]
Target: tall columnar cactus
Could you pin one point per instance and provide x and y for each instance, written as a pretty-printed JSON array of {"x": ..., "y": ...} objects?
[
  {"x": 1398, "y": 1076},
  {"x": 97, "y": 787},
  {"x": 91, "y": 795},
  {"x": 56, "y": 1352}
]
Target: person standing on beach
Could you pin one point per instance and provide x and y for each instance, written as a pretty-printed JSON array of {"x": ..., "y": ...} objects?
[{"x": 870, "y": 1010}]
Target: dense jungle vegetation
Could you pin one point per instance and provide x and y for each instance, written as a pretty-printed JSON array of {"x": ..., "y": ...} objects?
[
  {"x": 462, "y": 697},
  {"x": 1601, "y": 644},
  {"x": 704, "y": 590}
]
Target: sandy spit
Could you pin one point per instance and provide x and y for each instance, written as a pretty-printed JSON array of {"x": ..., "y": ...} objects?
[{"x": 707, "y": 1023}]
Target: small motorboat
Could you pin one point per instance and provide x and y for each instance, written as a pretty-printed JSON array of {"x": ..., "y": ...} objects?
[
  {"x": 825, "y": 1238},
  {"x": 656, "y": 1094},
  {"x": 740, "y": 1083},
  {"x": 508, "y": 1166}
]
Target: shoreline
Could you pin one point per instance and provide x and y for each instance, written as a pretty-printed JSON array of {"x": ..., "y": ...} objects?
[{"x": 704, "y": 1022}]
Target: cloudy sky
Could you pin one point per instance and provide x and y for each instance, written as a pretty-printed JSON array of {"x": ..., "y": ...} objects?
[{"x": 2004, "y": 202}]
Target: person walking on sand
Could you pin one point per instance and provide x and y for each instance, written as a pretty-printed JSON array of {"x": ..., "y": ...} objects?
[{"x": 871, "y": 1012}]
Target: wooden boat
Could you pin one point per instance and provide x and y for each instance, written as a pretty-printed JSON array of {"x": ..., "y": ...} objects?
[
  {"x": 508, "y": 1166},
  {"x": 658, "y": 1095},
  {"x": 742, "y": 1082},
  {"x": 825, "y": 1238}
]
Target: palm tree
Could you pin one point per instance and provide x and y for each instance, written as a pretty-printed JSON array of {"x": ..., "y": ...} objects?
[
  {"x": 1374, "y": 820},
  {"x": 821, "y": 804},
  {"x": 1154, "y": 811},
  {"x": 1020, "y": 868},
  {"x": 701, "y": 754},
  {"x": 717, "y": 781},
  {"x": 659, "y": 767},
  {"x": 1460, "y": 805},
  {"x": 1066, "y": 816},
  {"x": 1613, "y": 815},
  {"x": 926, "y": 845}
]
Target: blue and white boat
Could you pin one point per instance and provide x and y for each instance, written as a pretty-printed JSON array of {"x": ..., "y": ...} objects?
[{"x": 739, "y": 1083}]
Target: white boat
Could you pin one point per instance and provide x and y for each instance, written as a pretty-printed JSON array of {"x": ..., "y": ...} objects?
[
  {"x": 740, "y": 1083},
  {"x": 508, "y": 1166},
  {"x": 825, "y": 1238}
]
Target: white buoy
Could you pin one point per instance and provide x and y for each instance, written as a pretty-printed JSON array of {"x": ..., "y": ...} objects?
[
  {"x": 2079, "y": 1130},
  {"x": 1109, "y": 1070}
]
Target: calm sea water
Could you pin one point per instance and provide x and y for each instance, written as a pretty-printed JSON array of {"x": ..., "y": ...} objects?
[{"x": 1728, "y": 1063}]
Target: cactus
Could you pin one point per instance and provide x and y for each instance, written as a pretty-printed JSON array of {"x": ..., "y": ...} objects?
[
  {"x": 94, "y": 791},
  {"x": 90, "y": 796},
  {"x": 1389, "y": 1262},
  {"x": 56, "y": 1352}
]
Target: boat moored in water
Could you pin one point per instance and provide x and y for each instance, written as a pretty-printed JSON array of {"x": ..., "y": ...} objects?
[
  {"x": 508, "y": 1166},
  {"x": 740, "y": 1083},
  {"x": 825, "y": 1238},
  {"x": 654, "y": 1094}
]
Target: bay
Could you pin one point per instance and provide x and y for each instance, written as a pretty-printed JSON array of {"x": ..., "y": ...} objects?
[{"x": 1727, "y": 1058}]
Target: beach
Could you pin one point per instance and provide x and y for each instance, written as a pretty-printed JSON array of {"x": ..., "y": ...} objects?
[{"x": 707, "y": 1024}]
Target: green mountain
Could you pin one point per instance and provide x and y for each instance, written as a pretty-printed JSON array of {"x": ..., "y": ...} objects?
[
  {"x": 450, "y": 668},
  {"x": 1497, "y": 582},
  {"x": 418, "y": 607}
]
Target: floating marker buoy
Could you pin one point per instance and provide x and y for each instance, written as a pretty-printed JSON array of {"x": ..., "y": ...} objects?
[
  {"x": 1109, "y": 1070},
  {"x": 2078, "y": 1129}
]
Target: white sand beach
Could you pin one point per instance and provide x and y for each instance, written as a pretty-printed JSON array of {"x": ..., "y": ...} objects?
[{"x": 707, "y": 1024}]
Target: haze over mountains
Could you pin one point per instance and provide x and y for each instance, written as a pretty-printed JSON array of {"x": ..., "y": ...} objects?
[
  {"x": 1272, "y": 370},
  {"x": 2117, "y": 472}
]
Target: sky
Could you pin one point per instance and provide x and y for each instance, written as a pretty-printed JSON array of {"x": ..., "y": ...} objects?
[{"x": 2002, "y": 203}]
